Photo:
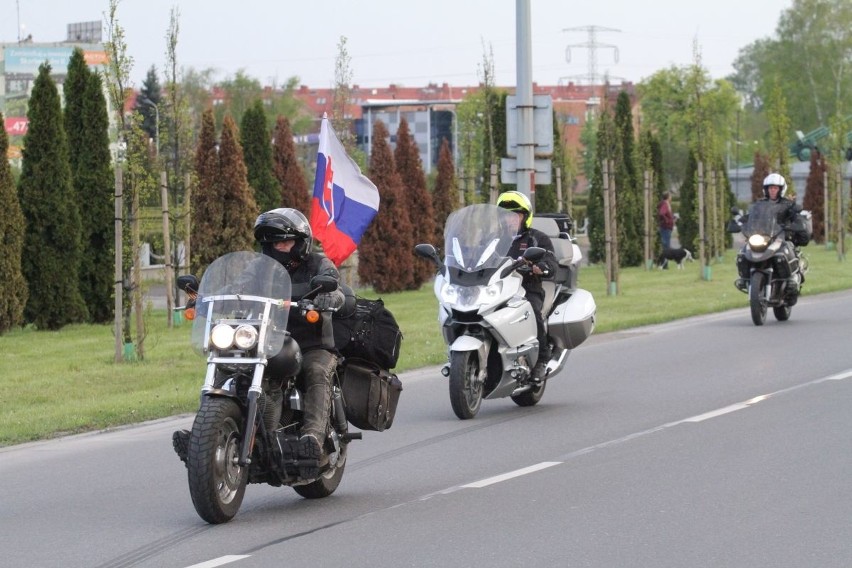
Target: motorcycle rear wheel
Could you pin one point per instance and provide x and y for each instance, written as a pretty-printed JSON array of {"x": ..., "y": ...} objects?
[
  {"x": 782, "y": 313},
  {"x": 327, "y": 483},
  {"x": 217, "y": 483},
  {"x": 465, "y": 389},
  {"x": 756, "y": 297}
]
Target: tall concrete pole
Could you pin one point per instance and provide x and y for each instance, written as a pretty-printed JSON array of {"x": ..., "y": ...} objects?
[{"x": 524, "y": 94}]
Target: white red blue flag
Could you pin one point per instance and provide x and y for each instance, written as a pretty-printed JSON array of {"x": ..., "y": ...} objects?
[{"x": 344, "y": 200}]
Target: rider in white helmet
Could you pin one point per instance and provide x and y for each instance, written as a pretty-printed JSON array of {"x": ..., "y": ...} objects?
[{"x": 774, "y": 189}]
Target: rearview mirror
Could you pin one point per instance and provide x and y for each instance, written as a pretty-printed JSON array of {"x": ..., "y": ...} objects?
[
  {"x": 427, "y": 251},
  {"x": 187, "y": 283},
  {"x": 324, "y": 283}
]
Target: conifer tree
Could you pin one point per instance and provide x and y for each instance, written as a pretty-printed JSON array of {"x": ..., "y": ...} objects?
[
  {"x": 445, "y": 197},
  {"x": 604, "y": 150},
  {"x": 628, "y": 202},
  {"x": 150, "y": 93},
  {"x": 207, "y": 207},
  {"x": 386, "y": 252},
  {"x": 51, "y": 257},
  {"x": 545, "y": 195},
  {"x": 417, "y": 200},
  {"x": 257, "y": 155},
  {"x": 758, "y": 174},
  {"x": 240, "y": 209},
  {"x": 87, "y": 128},
  {"x": 288, "y": 171},
  {"x": 73, "y": 90},
  {"x": 94, "y": 186},
  {"x": 687, "y": 226},
  {"x": 13, "y": 287},
  {"x": 814, "y": 199}
]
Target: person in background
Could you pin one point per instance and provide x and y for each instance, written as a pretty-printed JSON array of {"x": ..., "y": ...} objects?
[{"x": 665, "y": 220}]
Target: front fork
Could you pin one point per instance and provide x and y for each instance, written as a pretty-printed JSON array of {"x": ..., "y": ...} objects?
[{"x": 250, "y": 431}]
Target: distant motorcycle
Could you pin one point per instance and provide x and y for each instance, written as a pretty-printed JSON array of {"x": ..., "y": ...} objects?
[
  {"x": 245, "y": 432},
  {"x": 771, "y": 268},
  {"x": 486, "y": 320}
]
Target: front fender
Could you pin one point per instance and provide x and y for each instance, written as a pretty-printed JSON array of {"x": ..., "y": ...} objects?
[
  {"x": 223, "y": 393},
  {"x": 466, "y": 343},
  {"x": 470, "y": 343}
]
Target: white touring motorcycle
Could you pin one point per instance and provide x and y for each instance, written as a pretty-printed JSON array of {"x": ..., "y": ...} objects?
[{"x": 485, "y": 318}]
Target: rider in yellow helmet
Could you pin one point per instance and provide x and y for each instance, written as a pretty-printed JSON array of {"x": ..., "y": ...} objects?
[{"x": 528, "y": 237}]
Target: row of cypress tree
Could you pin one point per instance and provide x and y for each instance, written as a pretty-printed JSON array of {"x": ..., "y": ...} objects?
[{"x": 56, "y": 230}]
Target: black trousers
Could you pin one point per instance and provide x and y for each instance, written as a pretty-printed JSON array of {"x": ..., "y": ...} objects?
[
  {"x": 536, "y": 300},
  {"x": 317, "y": 368}
]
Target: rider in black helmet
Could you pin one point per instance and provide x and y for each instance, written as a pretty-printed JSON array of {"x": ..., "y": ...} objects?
[{"x": 285, "y": 235}]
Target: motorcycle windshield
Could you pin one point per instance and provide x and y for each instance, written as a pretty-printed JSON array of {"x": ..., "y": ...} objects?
[
  {"x": 762, "y": 220},
  {"x": 237, "y": 287},
  {"x": 478, "y": 237}
]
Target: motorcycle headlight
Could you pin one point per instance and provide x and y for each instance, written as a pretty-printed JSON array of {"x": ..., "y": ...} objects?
[
  {"x": 222, "y": 336},
  {"x": 467, "y": 297},
  {"x": 758, "y": 243},
  {"x": 245, "y": 337}
]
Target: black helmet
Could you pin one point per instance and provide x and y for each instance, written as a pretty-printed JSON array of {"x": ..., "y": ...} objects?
[{"x": 284, "y": 224}]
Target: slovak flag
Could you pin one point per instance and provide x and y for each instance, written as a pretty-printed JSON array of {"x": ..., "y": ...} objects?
[{"x": 344, "y": 200}]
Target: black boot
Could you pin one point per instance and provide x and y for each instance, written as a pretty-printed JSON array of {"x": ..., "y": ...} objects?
[{"x": 310, "y": 455}]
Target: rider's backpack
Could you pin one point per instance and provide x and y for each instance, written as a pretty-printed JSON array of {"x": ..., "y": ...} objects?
[
  {"x": 370, "y": 333},
  {"x": 370, "y": 395}
]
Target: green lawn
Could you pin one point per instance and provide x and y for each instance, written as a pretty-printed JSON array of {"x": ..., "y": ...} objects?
[{"x": 53, "y": 383}]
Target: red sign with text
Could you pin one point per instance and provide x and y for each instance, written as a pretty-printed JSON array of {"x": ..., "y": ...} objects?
[{"x": 16, "y": 126}]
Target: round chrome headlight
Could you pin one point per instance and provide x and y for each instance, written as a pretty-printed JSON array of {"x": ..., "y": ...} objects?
[
  {"x": 245, "y": 337},
  {"x": 222, "y": 336}
]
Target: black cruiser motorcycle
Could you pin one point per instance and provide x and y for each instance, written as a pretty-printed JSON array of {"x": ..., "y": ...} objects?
[{"x": 247, "y": 427}]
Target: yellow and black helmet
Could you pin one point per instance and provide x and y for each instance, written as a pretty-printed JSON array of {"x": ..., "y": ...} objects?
[{"x": 517, "y": 202}]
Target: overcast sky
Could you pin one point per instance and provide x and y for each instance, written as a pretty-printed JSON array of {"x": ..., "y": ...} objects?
[{"x": 412, "y": 43}]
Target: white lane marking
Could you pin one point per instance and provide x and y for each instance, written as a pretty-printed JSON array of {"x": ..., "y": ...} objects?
[
  {"x": 221, "y": 561},
  {"x": 839, "y": 376},
  {"x": 717, "y": 412},
  {"x": 511, "y": 475},
  {"x": 589, "y": 449}
]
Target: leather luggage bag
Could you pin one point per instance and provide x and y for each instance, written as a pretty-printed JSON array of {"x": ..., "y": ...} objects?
[{"x": 370, "y": 395}]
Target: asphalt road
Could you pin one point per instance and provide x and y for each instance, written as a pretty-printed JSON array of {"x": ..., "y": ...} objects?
[{"x": 705, "y": 442}]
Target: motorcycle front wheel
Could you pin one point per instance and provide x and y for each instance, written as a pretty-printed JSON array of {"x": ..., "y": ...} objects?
[
  {"x": 465, "y": 388},
  {"x": 756, "y": 295},
  {"x": 782, "y": 313},
  {"x": 217, "y": 483}
]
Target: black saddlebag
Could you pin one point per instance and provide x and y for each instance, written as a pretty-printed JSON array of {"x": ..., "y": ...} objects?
[
  {"x": 370, "y": 395},
  {"x": 370, "y": 333}
]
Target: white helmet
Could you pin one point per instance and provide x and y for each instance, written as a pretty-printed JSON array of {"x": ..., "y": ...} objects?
[{"x": 774, "y": 179}]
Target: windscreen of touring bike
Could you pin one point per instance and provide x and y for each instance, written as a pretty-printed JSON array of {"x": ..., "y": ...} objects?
[{"x": 478, "y": 237}]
